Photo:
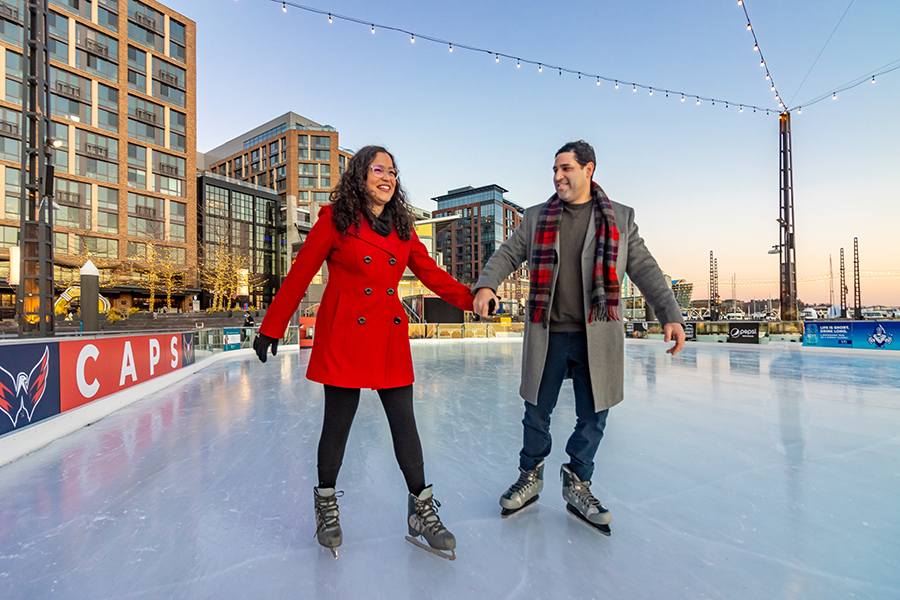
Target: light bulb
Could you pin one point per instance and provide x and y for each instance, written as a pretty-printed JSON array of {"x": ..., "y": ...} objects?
[
  {"x": 540, "y": 68},
  {"x": 742, "y": 109},
  {"x": 800, "y": 110},
  {"x": 633, "y": 88},
  {"x": 329, "y": 18},
  {"x": 651, "y": 92},
  {"x": 682, "y": 97},
  {"x": 873, "y": 79},
  {"x": 762, "y": 63},
  {"x": 451, "y": 47},
  {"x": 518, "y": 64},
  {"x": 773, "y": 87},
  {"x": 834, "y": 96},
  {"x": 768, "y": 77},
  {"x": 598, "y": 81},
  {"x": 373, "y": 28},
  {"x": 740, "y": 2},
  {"x": 698, "y": 101},
  {"x": 756, "y": 47},
  {"x": 496, "y": 58},
  {"x": 283, "y": 7},
  {"x": 617, "y": 85},
  {"x": 412, "y": 39},
  {"x": 748, "y": 26}
]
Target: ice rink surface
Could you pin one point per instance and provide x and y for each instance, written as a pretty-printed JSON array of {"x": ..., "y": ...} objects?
[{"x": 731, "y": 472}]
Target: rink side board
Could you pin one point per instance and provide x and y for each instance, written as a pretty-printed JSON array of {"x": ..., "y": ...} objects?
[
  {"x": 29, "y": 384},
  {"x": 92, "y": 369}
]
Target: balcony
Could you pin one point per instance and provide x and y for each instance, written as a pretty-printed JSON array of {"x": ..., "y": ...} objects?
[
  {"x": 94, "y": 150},
  {"x": 144, "y": 20},
  {"x": 73, "y": 92},
  {"x": 95, "y": 47},
  {"x": 147, "y": 116},
  {"x": 9, "y": 12},
  {"x": 167, "y": 168},
  {"x": 167, "y": 77},
  {"x": 9, "y": 129}
]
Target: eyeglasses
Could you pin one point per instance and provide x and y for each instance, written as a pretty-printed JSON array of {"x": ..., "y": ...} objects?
[{"x": 381, "y": 171}]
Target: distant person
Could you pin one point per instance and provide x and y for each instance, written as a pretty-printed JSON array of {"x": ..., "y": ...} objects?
[
  {"x": 248, "y": 319},
  {"x": 368, "y": 239},
  {"x": 572, "y": 327}
]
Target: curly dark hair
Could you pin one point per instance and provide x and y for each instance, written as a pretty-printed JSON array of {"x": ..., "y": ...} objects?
[{"x": 350, "y": 196}]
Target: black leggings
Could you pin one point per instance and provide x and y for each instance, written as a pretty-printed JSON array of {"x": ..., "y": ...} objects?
[{"x": 340, "y": 408}]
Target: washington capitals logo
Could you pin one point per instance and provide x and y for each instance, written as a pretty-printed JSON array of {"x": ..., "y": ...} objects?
[
  {"x": 881, "y": 338},
  {"x": 20, "y": 394}
]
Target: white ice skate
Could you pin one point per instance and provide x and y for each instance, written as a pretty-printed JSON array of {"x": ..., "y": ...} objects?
[{"x": 423, "y": 521}]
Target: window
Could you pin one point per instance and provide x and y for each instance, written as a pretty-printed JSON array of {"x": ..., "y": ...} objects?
[
  {"x": 177, "y": 31},
  {"x": 137, "y": 81},
  {"x": 321, "y": 196},
  {"x": 145, "y": 216},
  {"x": 107, "y": 18},
  {"x": 137, "y": 59},
  {"x": 177, "y": 215},
  {"x": 14, "y": 77},
  {"x": 107, "y": 210},
  {"x": 323, "y": 155},
  {"x": 321, "y": 141},
  {"x": 11, "y": 30},
  {"x": 99, "y": 247},
  {"x": 176, "y": 51},
  {"x": 70, "y": 96},
  {"x": 137, "y": 166},
  {"x": 79, "y": 7},
  {"x": 137, "y": 251},
  {"x": 13, "y": 193},
  {"x": 97, "y": 52},
  {"x": 168, "y": 82},
  {"x": 57, "y": 44},
  {"x": 145, "y": 25},
  {"x": 303, "y": 141},
  {"x": 10, "y": 143},
  {"x": 97, "y": 145},
  {"x": 308, "y": 174}
]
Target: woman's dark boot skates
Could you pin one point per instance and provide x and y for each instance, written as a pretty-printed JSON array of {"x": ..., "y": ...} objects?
[
  {"x": 582, "y": 503},
  {"x": 524, "y": 491},
  {"x": 328, "y": 526},
  {"x": 423, "y": 521}
]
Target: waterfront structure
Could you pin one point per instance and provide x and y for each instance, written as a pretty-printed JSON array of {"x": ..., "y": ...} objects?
[
  {"x": 486, "y": 220},
  {"x": 123, "y": 113},
  {"x": 682, "y": 290}
]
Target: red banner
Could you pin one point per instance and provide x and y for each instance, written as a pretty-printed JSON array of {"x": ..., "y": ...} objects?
[{"x": 91, "y": 369}]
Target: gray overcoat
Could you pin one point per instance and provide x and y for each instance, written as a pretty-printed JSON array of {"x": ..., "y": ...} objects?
[{"x": 606, "y": 339}]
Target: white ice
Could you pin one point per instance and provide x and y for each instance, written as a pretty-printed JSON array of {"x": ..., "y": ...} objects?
[{"x": 731, "y": 472}]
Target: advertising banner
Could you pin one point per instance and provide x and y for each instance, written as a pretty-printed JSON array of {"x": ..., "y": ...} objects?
[
  {"x": 690, "y": 331},
  {"x": 828, "y": 335},
  {"x": 187, "y": 349},
  {"x": 743, "y": 333},
  {"x": 877, "y": 335},
  {"x": 636, "y": 329},
  {"x": 92, "y": 369},
  {"x": 232, "y": 338},
  {"x": 29, "y": 384}
]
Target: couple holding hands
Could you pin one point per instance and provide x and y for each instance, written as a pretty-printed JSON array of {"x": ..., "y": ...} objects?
[{"x": 367, "y": 236}]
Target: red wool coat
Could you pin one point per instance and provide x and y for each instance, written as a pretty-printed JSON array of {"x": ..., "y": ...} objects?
[{"x": 362, "y": 333}]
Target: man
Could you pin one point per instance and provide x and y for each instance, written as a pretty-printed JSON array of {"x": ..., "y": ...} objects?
[{"x": 577, "y": 244}]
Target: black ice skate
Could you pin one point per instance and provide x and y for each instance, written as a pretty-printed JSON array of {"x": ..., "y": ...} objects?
[
  {"x": 582, "y": 503},
  {"x": 423, "y": 521},
  {"x": 524, "y": 492},
  {"x": 328, "y": 526}
]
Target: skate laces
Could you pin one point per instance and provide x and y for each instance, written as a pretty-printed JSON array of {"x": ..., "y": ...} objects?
[
  {"x": 327, "y": 511},
  {"x": 582, "y": 491},
  {"x": 526, "y": 478},
  {"x": 427, "y": 512}
]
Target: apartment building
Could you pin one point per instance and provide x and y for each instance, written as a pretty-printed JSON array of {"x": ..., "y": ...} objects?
[
  {"x": 123, "y": 110},
  {"x": 486, "y": 220}
]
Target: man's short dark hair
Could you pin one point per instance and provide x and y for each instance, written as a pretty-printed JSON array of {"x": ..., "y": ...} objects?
[{"x": 584, "y": 152}]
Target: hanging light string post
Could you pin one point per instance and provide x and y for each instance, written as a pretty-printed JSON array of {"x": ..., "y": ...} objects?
[
  {"x": 540, "y": 64},
  {"x": 762, "y": 60}
]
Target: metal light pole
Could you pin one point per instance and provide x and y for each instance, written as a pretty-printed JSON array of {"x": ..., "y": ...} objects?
[
  {"x": 35, "y": 294},
  {"x": 787, "y": 254}
]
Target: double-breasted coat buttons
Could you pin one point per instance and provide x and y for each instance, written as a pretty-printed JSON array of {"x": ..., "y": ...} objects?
[
  {"x": 361, "y": 320},
  {"x": 390, "y": 291},
  {"x": 368, "y": 291},
  {"x": 367, "y": 259},
  {"x": 397, "y": 320},
  {"x": 393, "y": 261}
]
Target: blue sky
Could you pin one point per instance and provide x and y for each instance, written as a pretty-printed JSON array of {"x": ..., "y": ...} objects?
[{"x": 700, "y": 178}]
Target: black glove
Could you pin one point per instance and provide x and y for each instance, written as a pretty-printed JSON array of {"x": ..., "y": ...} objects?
[{"x": 261, "y": 344}]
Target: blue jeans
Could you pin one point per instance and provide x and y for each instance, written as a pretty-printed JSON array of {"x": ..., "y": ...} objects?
[{"x": 567, "y": 357}]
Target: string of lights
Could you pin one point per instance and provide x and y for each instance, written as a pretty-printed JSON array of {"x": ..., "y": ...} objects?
[
  {"x": 762, "y": 60},
  {"x": 413, "y": 37},
  {"x": 870, "y": 76}
]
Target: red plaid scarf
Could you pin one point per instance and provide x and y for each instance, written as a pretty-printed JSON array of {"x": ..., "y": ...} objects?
[{"x": 605, "y": 290}]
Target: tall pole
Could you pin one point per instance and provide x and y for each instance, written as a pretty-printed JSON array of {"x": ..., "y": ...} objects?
[
  {"x": 830, "y": 284},
  {"x": 35, "y": 293},
  {"x": 843, "y": 287},
  {"x": 857, "y": 296},
  {"x": 710, "y": 306},
  {"x": 786, "y": 252}
]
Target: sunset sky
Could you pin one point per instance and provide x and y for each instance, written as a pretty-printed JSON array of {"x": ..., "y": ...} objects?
[{"x": 701, "y": 178}]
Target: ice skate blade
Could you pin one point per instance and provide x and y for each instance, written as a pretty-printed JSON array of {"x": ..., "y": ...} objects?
[
  {"x": 334, "y": 552},
  {"x": 415, "y": 541},
  {"x": 508, "y": 512},
  {"x": 604, "y": 529}
]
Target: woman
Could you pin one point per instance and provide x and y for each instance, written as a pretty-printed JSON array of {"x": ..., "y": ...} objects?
[{"x": 368, "y": 239}]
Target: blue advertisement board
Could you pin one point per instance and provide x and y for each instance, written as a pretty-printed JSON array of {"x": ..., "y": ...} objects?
[
  {"x": 29, "y": 384},
  {"x": 232, "y": 337},
  {"x": 877, "y": 335},
  {"x": 836, "y": 334}
]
